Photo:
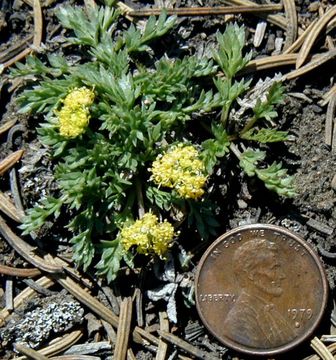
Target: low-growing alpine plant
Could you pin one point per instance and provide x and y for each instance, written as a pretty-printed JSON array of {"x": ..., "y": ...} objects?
[{"x": 129, "y": 177}]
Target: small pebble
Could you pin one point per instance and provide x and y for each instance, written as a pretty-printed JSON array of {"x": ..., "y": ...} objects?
[
  {"x": 242, "y": 204},
  {"x": 270, "y": 46},
  {"x": 278, "y": 45}
]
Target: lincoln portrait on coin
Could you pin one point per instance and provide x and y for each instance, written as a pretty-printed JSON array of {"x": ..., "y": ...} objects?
[{"x": 254, "y": 320}]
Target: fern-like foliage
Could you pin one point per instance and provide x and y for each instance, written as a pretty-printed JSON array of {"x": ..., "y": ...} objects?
[
  {"x": 265, "y": 109},
  {"x": 38, "y": 215},
  {"x": 137, "y": 112},
  {"x": 112, "y": 254},
  {"x": 274, "y": 176},
  {"x": 265, "y": 135},
  {"x": 229, "y": 56},
  {"x": 214, "y": 149},
  {"x": 136, "y": 41},
  {"x": 90, "y": 25}
]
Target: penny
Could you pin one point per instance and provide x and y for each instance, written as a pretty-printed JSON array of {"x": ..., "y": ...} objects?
[{"x": 260, "y": 289}]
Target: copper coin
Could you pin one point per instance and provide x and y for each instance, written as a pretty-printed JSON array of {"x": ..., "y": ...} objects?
[{"x": 260, "y": 289}]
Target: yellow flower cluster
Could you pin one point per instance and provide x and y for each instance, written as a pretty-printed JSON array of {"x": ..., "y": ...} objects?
[
  {"x": 74, "y": 115},
  {"x": 180, "y": 169},
  {"x": 148, "y": 235}
]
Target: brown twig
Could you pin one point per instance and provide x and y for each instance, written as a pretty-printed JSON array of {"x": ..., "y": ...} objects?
[
  {"x": 208, "y": 11},
  {"x": 269, "y": 62},
  {"x": 59, "y": 344},
  {"x": 292, "y": 27},
  {"x": 162, "y": 348},
  {"x": 199, "y": 354},
  {"x": 38, "y": 288},
  {"x": 300, "y": 40},
  {"x": 111, "y": 334},
  {"x": 331, "y": 348},
  {"x": 10, "y": 161},
  {"x": 84, "y": 297},
  {"x": 38, "y": 23},
  {"x": 96, "y": 306},
  {"x": 125, "y": 9},
  {"x": 62, "y": 343},
  {"x": 124, "y": 327},
  {"x": 130, "y": 355},
  {"x": 15, "y": 49},
  {"x": 321, "y": 349},
  {"x": 75, "y": 357},
  {"x": 21, "y": 55},
  {"x": 11, "y": 271},
  {"x": 37, "y": 37},
  {"x": 32, "y": 354},
  {"x": 330, "y": 42},
  {"x": 74, "y": 273},
  {"x": 278, "y": 20},
  {"x": 7, "y": 207},
  {"x": 312, "y": 36},
  {"x": 25, "y": 250},
  {"x": 24, "y": 295},
  {"x": 327, "y": 96},
  {"x": 146, "y": 335},
  {"x": 317, "y": 61},
  {"x": 7, "y": 125},
  {"x": 330, "y": 115}
]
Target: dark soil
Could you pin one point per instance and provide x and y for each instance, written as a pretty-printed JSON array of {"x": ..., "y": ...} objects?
[{"x": 312, "y": 214}]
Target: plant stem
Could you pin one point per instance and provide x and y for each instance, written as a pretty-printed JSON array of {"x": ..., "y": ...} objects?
[
  {"x": 141, "y": 206},
  {"x": 235, "y": 150},
  {"x": 226, "y": 107},
  {"x": 248, "y": 125},
  {"x": 225, "y": 114}
]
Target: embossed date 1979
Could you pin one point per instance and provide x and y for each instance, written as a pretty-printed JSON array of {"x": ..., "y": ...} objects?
[{"x": 300, "y": 315}]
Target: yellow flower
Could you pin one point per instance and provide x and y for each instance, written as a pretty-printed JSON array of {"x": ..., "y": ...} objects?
[
  {"x": 180, "y": 169},
  {"x": 74, "y": 116},
  {"x": 73, "y": 121},
  {"x": 79, "y": 96},
  {"x": 148, "y": 235}
]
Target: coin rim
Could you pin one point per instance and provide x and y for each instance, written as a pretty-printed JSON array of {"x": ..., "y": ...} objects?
[{"x": 292, "y": 344}]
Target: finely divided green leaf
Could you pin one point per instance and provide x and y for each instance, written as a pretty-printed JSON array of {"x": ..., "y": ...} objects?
[
  {"x": 265, "y": 109},
  {"x": 265, "y": 135},
  {"x": 214, "y": 149},
  {"x": 229, "y": 55},
  {"x": 249, "y": 160},
  {"x": 112, "y": 254},
  {"x": 274, "y": 176},
  {"x": 276, "y": 179}
]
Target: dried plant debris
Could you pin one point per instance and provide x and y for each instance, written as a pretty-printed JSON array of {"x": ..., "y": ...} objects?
[
  {"x": 173, "y": 283},
  {"x": 53, "y": 315}
]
